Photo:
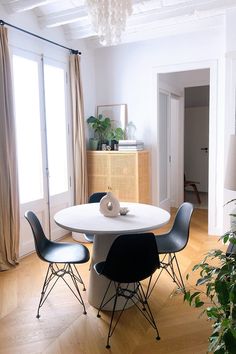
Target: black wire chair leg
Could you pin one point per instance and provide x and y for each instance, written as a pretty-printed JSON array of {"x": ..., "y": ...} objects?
[
  {"x": 50, "y": 275},
  {"x": 146, "y": 310},
  {"x": 103, "y": 300},
  {"x": 78, "y": 276},
  {"x": 145, "y": 303},
  {"x": 75, "y": 280},
  {"x": 151, "y": 287},
  {"x": 110, "y": 332},
  {"x": 180, "y": 280}
]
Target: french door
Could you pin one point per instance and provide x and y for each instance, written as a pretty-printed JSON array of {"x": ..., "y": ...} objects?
[{"x": 43, "y": 142}]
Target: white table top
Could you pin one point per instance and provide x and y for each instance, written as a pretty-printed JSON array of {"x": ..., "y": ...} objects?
[{"x": 86, "y": 218}]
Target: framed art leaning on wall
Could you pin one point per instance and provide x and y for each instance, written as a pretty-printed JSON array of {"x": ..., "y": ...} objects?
[{"x": 116, "y": 112}]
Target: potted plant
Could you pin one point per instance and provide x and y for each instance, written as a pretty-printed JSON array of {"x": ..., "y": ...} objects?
[
  {"x": 115, "y": 135},
  {"x": 101, "y": 126},
  {"x": 216, "y": 293}
]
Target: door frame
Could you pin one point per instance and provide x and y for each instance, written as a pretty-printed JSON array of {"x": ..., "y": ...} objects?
[{"x": 216, "y": 137}]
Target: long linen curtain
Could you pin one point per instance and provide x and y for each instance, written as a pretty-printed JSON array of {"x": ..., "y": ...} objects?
[
  {"x": 79, "y": 144},
  {"x": 9, "y": 196}
]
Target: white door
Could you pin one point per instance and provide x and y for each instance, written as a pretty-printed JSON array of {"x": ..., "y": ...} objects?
[
  {"x": 58, "y": 141},
  {"x": 32, "y": 145},
  {"x": 196, "y": 146},
  {"x": 164, "y": 151}
]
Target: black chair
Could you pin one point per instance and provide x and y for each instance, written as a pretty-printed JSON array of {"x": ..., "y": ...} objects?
[
  {"x": 94, "y": 198},
  {"x": 131, "y": 258},
  {"x": 55, "y": 254},
  {"x": 171, "y": 243}
]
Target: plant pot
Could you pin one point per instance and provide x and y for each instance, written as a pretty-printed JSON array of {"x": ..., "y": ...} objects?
[{"x": 93, "y": 144}]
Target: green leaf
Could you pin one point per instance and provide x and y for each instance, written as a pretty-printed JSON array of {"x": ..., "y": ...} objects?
[
  {"x": 187, "y": 296},
  {"x": 230, "y": 342},
  {"x": 193, "y": 296},
  {"x": 222, "y": 292}
]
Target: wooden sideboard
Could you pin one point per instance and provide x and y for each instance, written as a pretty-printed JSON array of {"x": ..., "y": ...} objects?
[{"x": 126, "y": 173}]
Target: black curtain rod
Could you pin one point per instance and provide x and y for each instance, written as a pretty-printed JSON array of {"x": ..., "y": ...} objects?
[{"x": 72, "y": 51}]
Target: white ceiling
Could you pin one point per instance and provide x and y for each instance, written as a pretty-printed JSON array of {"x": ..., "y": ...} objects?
[{"x": 150, "y": 18}]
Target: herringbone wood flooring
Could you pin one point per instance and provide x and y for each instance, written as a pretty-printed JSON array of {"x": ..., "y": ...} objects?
[{"x": 63, "y": 328}]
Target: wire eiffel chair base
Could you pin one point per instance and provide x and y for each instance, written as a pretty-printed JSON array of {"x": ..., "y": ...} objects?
[
  {"x": 137, "y": 296},
  {"x": 54, "y": 273},
  {"x": 171, "y": 266}
]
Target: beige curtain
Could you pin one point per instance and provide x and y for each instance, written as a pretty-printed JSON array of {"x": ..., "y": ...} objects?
[
  {"x": 79, "y": 144},
  {"x": 9, "y": 200}
]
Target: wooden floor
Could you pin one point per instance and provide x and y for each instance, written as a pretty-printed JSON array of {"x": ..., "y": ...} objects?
[{"x": 63, "y": 329}]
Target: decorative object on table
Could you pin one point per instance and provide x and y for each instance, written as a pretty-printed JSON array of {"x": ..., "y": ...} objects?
[
  {"x": 101, "y": 126},
  {"x": 117, "y": 114},
  {"x": 124, "y": 210},
  {"x": 110, "y": 205},
  {"x": 130, "y": 131},
  {"x": 131, "y": 145}
]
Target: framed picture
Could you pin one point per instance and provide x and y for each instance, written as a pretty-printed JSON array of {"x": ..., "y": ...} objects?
[{"x": 116, "y": 112}]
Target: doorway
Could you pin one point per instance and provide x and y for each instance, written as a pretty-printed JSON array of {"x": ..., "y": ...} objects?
[
  {"x": 176, "y": 78},
  {"x": 196, "y": 145}
]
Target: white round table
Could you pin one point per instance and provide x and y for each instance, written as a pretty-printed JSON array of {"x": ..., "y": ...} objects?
[{"x": 86, "y": 218}]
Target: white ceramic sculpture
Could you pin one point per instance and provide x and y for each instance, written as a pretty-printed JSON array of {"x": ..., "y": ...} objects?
[{"x": 109, "y": 205}]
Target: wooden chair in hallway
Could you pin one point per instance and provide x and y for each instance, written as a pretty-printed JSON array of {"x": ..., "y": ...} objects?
[{"x": 192, "y": 184}]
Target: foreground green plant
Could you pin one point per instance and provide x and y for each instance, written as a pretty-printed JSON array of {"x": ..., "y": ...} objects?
[{"x": 217, "y": 294}]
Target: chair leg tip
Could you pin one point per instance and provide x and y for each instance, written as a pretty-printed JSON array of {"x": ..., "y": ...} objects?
[
  {"x": 98, "y": 315},
  {"x": 158, "y": 338},
  {"x": 85, "y": 313},
  {"x": 38, "y": 316},
  {"x": 108, "y": 346}
]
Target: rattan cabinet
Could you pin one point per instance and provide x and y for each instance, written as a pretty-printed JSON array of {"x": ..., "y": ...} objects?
[{"x": 127, "y": 174}]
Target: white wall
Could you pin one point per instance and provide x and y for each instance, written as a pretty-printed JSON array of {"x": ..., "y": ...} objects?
[{"x": 126, "y": 74}]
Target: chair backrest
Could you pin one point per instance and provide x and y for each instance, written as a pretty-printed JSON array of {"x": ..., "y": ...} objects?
[
  {"x": 96, "y": 197},
  {"x": 40, "y": 240},
  {"x": 180, "y": 229},
  {"x": 132, "y": 258}
]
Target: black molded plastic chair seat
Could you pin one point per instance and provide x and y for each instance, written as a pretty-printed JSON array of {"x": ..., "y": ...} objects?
[
  {"x": 131, "y": 258},
  {"x": 56, "y": 252},
  {"x": 170, "y": 243},
  {"x": 61, "y": 257}
]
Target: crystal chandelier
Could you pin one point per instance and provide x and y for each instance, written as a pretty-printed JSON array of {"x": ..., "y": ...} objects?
[{"x": 108, "y": 18}]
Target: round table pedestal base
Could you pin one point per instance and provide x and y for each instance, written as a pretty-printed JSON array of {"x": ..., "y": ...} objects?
[{"x": 98, "y": 283}]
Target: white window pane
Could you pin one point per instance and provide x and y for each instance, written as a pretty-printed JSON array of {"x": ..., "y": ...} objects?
[
  {"x": 28, "y": 133},
  {"x": 56, "y": 128}
]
